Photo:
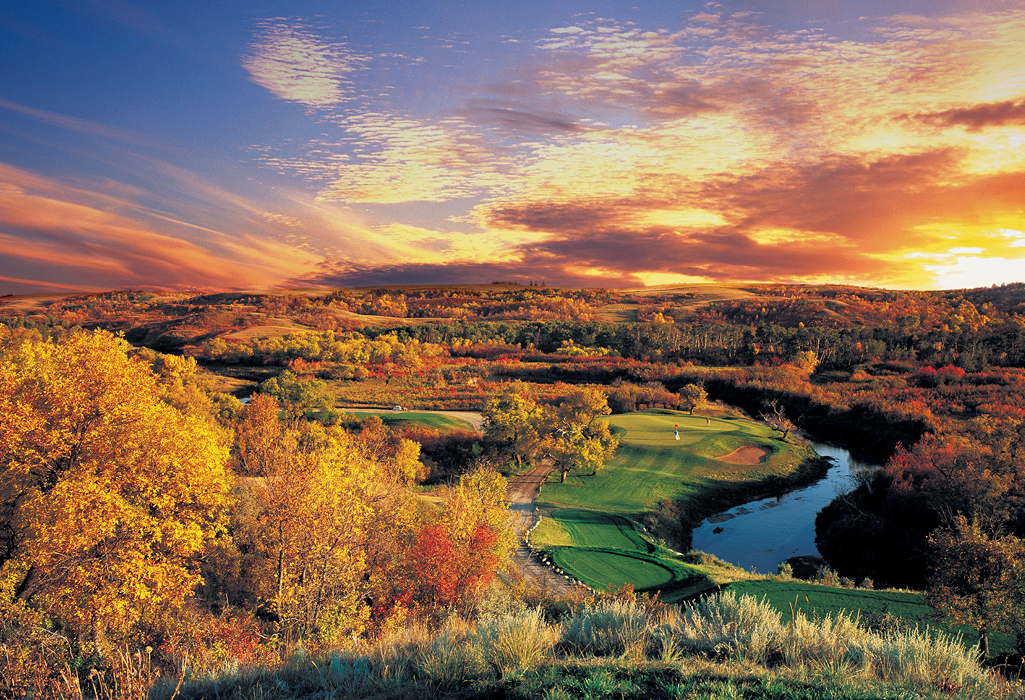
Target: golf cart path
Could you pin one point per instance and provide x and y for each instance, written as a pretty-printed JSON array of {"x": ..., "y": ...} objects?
[{"x": 522, "y": 495}]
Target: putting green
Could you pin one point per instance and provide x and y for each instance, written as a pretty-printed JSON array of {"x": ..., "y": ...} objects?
[
  {"x": 600, "y": 568},
  {"x": 592, "y": 533}
]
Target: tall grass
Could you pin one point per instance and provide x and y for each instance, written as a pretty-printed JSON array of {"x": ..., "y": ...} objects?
[
  {"x": 610, "y": 627},
  {"x": 723, "y": 625},
  {"x": 745, "y": 629},
  {"x": 726, "y": 637},
  {"x": 518, "y": 642}
]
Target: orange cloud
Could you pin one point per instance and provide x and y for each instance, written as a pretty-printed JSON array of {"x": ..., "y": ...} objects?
[
  {"x": 53, "y": 233},
  {"x": 976, "y": 117}
]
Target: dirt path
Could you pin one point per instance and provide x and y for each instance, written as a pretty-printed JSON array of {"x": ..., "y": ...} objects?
[{"x": 522, "y": 494}]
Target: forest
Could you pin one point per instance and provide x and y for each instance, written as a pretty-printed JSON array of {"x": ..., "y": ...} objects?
[{"x": 187, "y": 474}]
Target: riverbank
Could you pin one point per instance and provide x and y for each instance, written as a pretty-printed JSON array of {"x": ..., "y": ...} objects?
[{"x": 758, "y": 534}]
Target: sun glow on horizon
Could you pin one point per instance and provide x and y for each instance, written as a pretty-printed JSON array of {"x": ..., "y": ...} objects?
[{"x": 713, "y": 145}]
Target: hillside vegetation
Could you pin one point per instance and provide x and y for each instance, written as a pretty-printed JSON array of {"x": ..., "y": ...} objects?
[{"x": 151, "y": 522}]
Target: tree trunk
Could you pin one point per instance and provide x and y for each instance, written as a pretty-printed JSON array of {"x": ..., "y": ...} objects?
[
  {"x": 564, "y": 472},
  {"x": 27, "y": 588},
  {"x": 984, "y": 641}
]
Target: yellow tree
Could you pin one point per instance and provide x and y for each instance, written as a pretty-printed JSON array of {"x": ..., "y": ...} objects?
[
  {"x": 511, "y": 425},
  {"x": 479, "y": 499},
  {"x": 693, "y": 396},
  {"x": 107, "y": 492},
  {"x": 978, "y": 580},
  {"x": 303, "y": 528},
  {"x": 575, "y": 440},
  {"x": 257, "y": 436}
]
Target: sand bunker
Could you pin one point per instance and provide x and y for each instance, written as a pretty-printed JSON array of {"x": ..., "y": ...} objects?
[{"x": 749, "y": 454}]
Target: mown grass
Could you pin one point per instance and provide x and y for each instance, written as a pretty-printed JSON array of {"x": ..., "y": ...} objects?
[
  {"x": 721, "y": 647},
  {"x": 652, "y": 466},
  {"x": 402, "y": 419},
  {"x": 590, "y": 522},
  {"x": 876, "y": 609}
]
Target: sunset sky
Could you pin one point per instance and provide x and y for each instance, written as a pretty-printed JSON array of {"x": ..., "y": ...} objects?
[{"x": 257, "y": 144}]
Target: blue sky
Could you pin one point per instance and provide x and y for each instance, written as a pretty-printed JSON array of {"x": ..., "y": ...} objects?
[{"x": 270, "y": 144}]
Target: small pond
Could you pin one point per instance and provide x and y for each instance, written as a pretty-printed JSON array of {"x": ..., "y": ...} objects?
[{"x": 759, "y": 534}]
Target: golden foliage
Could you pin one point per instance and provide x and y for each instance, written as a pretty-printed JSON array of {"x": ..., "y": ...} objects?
[
  {"x": 107, "y": 491},
  {"x": 302, "y": 527}
]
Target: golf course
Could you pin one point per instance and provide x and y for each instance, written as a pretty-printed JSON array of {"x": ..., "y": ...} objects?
[{"x": 591, "y": 524}]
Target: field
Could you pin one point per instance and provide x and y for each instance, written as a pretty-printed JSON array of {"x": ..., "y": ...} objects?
[
  {"x": 874, "y": 608},
  {"x": 402, "y": 419},
  {"x": 590, "y": 525}
]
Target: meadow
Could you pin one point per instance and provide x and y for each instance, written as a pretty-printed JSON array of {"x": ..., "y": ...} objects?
[{"x": 592, "y": 524}]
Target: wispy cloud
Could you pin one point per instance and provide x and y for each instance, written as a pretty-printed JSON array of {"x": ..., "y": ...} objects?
[
  {"x": 723, "y": 150},
  {"x": 53, "y": 233},
  {"x": 976, "y": 117},
  {"x": 294, "y": 63},
  {"x": 81, "y": 126}
]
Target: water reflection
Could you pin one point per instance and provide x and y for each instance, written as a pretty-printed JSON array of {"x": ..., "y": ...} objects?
[{"x": 759, "y": 534}]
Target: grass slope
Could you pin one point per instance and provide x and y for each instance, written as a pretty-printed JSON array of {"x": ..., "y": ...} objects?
[
  {"x": 873, "y": 607},
  {"x": 590, "y": 525}
]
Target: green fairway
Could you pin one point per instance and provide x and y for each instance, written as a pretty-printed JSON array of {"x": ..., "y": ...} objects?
[
  {"x": 870, "y": 606},
  {"x": 587, "y": 528},
  {"x": 651, "y": 465},
  {"x": 434, "y": 421},
  {"x": 590, "y": 527}
]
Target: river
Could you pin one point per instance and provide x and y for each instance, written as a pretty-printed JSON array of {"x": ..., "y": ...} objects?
[{"x": 759, "y": 534}]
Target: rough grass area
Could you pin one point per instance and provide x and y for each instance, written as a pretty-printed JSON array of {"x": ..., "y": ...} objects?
[
  {"x": 590, "y": 526},
  {"x": 876, "y": 609},
  {"x": 722, "y": 647}
]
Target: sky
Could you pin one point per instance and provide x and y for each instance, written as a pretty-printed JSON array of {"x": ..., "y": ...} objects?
[{"x": 265, "y": 144}]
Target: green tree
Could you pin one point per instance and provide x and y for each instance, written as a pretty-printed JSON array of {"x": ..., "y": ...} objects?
[
  {"x": 299, "y": 397},
  {"x": 978, "y": 580},
  {"x": 693, "y": 396}
]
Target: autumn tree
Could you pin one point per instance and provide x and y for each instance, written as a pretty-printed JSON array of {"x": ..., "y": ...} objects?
[
  {"x": 480, "y": 498},
  {"x": 693, "y": 396},
  {"x": 512, "y": 424},
  {"x": 451, "y": 560},
  {"x": 441, "y": 572},
  {"x": 107, "y": 491},
  {"x": 978, "y": 579},
  {"x": 258, "y": 433},
  {"x": 301, "y": 530}
]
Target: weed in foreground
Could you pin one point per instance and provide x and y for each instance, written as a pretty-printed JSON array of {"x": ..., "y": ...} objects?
[{"x": 608, "y": 628}]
